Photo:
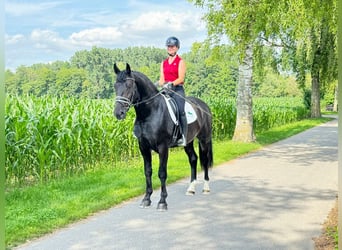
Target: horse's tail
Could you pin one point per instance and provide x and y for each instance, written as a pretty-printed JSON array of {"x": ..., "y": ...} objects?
[{"x": 206, "y": 154}]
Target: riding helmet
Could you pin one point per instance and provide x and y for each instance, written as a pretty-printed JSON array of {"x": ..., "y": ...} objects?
[{"x": 172, "y": 41}]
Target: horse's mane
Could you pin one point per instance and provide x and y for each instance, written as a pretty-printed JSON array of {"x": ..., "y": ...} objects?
[{"x": 142, "y": 78}]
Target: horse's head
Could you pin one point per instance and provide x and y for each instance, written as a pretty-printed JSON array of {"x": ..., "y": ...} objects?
[{"x": 125, "y": 90}]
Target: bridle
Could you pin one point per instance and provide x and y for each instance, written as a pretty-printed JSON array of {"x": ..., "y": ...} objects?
[{"x": 125, "y": 100}]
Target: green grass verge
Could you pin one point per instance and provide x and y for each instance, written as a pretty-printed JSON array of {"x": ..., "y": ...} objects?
[{"x": 32, "y": 211}]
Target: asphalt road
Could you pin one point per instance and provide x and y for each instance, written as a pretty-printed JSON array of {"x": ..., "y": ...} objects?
[{"x": 274, "y": 198}]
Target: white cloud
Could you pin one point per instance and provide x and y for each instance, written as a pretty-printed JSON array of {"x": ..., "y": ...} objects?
[
  {"x": 180, "y": 21},
  {"x": 48, "y": 40},
  {"x": 14, "y": 39},
  {"x": 153, "y": 27},
  {"x": 150, "y": 29},
  {"x": 149, "y": 21},
  {"x": 46, "y": 31},
  {"x": 96, "y": 36},
  {"x": 44, "y": 35}
]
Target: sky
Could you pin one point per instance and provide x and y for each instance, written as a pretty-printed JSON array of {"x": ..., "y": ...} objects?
[{"x": 38, "y": 31}]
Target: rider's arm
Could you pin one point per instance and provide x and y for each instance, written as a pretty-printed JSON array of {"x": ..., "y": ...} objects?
[
  {"x": 181, "y": 73},
  {"x": 162, "y": 78}
]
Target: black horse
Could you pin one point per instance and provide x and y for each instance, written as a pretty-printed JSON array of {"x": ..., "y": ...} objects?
[{"x": 155, "y": 130}]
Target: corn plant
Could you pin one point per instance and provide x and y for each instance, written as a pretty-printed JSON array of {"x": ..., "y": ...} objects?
[
  {"x": 49, "y": 138},
  {"x": 267, "y": 113}
]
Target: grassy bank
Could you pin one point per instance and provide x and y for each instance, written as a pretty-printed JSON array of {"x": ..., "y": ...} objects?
[{"x": 32, "y": 211}]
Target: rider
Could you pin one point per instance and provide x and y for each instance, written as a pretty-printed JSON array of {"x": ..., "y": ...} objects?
[{"x": 172, "y": 75}]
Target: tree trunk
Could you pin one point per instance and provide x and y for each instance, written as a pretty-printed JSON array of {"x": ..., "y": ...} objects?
[
  {"x": 315, "y": 77},
  {"x": 315, "y": 96},
  {"x": 335, "y": 108},
  {"x": 244, "y": 131}
]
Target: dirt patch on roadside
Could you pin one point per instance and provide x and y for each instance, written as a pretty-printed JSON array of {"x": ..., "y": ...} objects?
[{"x": 326, "y": 240}]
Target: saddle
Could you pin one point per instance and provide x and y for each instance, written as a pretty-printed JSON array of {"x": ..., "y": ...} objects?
[
  {"x": 173, "y": 110},
  {"x": 172, "y": 107}
]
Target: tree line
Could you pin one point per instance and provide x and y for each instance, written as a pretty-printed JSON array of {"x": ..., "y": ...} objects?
[
  {"x": 87, "y": 73},
  {"x": 211, "y": 71}
]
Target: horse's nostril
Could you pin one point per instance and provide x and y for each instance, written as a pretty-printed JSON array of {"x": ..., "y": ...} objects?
[{"x": 119, "y": 114}]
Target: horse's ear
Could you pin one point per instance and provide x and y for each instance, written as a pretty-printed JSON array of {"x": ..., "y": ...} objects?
[
  {"x": 128, "y": 69},
  {"x": 116, "y": 69}
]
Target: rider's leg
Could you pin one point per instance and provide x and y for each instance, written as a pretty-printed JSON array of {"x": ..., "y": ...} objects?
[
  {"x": 179, "y": 97},
  {"x": 184, "y": 129}
]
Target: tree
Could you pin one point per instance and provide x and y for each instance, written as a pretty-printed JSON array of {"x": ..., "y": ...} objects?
[
  {"x": 210, "y": 71},
  {"x": 69, "y": 82},
  {"x": 309, "y": 44},
  {"x": 11, "y": 86},
  {"x": 244, "y": 107},
  {"x": 323, "y": 61},
  {"x": 15, "y": 82},
  {"x": 243, "y": 22},
  {"x": 306, "y": 28},
  {"x": 273, "y": 84}
]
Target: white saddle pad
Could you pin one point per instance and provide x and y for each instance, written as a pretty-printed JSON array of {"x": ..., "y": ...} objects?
[{"x": 191, "y": 115}]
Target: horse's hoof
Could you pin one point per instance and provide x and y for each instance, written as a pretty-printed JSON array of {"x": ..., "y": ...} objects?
[
  {"x": 206, "y": 188},
  {"x": 162, "y": 207},
  {"x": 206, "y": 191},
  {"x": 145, "y": 204},
  {"x": 192, "y": 188},
  {"x": 190, "y": 192}
]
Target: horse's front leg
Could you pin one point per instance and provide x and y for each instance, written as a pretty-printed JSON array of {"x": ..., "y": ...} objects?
[
  {"x": 147, "y": 156},
  {"x": 162, "y": 174}
]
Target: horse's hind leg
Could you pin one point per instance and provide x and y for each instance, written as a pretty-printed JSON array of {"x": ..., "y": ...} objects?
[
  {"x": 206, "y": 159},
  {"x": 192, "y": 156}
]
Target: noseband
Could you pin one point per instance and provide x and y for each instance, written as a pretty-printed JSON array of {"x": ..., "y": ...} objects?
[{"x": 123, "y": 100}]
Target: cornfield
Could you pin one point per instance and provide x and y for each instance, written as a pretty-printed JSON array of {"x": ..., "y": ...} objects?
[
  {"x": 267, "y": 113},
  {"x": 48, "y": 138}
]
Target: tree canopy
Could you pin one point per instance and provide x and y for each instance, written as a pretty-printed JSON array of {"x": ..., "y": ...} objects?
[{"x": 211, "y": 72}]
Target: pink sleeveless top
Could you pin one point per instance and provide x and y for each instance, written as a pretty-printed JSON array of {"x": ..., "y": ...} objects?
[{"x": 171, "y": 70}]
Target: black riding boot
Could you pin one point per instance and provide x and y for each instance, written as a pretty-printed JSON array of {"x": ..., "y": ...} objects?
[{"x": 184, "y": 130}]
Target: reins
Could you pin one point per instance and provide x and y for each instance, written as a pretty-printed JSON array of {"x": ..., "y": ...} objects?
[{"x": 147, "y": 100}]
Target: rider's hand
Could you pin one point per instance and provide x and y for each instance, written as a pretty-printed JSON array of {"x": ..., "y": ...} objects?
[{"x": 168, "y": 85}]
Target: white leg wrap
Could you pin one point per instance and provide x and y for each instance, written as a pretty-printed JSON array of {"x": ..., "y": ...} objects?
[
  {"x": 192, "y": 188},
  {"x": 206, "y": 188}
]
